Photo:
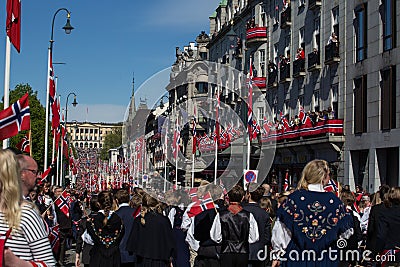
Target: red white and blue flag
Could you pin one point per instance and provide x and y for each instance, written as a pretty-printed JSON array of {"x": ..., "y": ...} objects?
[
  {"x": 193, "y": 194},
  {"x": 304, "y": 118},
  {"x": 24, "y": 144},
  {"x": 15, "y": 118},
  {"x": 332, "y": 186},
  {"x": 52, "y": 84},
  {"x": 13, "y": 23},
  {"x": 201, "y": 205},
  {"x": 286, "y": 184},
  {"x": 63, "y": 202},
  {"x": 54, "y": 238}
]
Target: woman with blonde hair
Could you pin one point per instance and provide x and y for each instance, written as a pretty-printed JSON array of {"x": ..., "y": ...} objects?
[
  {"x": 310, "y": 220},
  {"x": 27, "y": 242}
]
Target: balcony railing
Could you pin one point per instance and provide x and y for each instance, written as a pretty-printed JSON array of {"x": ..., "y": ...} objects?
[
  {"x": 272, "y": 78},
  {"x": 256, "y": 34},
  {"x": 321, "y": 128},
  {"x": 260, "y": 82},
  {"x": 299, "y": 68},
  {"x": 314, "y": 61},
  {"x": 314, "y": 4},
  {"x": 286, "y": 18},
  {"x": 284, "y": 73},
  {"x": 332, "y": 53}
]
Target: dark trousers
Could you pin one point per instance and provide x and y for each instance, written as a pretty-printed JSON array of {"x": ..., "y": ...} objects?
[{"x": 234, "y": 259}]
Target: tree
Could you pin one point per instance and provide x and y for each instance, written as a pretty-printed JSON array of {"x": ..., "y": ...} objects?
[
  {"x": 38, "y": 114},
  {"x": 112, "y": 140}
]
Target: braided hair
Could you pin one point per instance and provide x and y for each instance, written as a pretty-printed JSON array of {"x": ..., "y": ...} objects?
[{"x": 106, "y": 199}]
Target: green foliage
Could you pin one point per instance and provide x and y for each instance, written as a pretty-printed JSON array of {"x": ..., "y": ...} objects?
[
  {"x": 112, "y": 140},
  {"x": 38, "y": 114}
]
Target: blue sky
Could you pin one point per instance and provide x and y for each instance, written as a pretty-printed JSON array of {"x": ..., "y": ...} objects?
[{"x": 111, "y": 41}]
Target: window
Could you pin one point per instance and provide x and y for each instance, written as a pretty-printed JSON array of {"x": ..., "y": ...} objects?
[
  {"x": 301, "y": 100},
  {"x": 360, "y": 105},
  {"x": 315, "y": 101},
  {"x": 301, "y": 38},
  {"x": 287, "y": 46},
  {"x": 388, "y": 98},
  {"x": 335, "y": 20},
  {"x": 202, "y": 87},
  {"x": 316, "y": 36},
  {"x": 389, "y": 24},
  {"x": 262, "y": 63},
  {"x": 361, "y": 32},
  {"x": 260, "y": 115},
  {"x": 286, "y": 107}
]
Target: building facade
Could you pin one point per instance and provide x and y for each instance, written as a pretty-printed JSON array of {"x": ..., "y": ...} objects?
[
  {"x": 339, "y": 56},
  {"x": 90, "y": 135}
]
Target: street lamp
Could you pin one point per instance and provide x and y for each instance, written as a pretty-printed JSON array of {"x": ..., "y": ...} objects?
[
  {"x": 67, "y": 28},
  {"x": 66, "y": 133}
]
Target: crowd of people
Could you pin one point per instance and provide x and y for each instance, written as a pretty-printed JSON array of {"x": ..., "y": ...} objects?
[{"x": 251, "y": 226}]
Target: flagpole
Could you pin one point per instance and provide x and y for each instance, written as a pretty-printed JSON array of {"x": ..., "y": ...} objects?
[
  {"x": 30, "y": 142},
  {"x": 248, "y": 152},
  {"x": 165, "y": 160},
  {"x": 46, "y": 130},
  {"x": 7, "y": 82}
]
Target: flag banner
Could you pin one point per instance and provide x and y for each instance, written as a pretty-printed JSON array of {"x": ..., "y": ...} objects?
[
  {"x": 54, "y": 238},
  {"x": 52, "y": 84},
  {"x": 205, "y": 203},
  {"x": 15, "y": 118},
  {"x": 63, "y": 202},
  {"x": 24, "y": 144},
  {"x": 13, "y": 23},
  {"x": 55, "y": 110},
  {"x": 332, "y": 186}
]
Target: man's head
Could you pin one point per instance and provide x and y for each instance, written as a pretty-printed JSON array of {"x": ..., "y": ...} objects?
[
  {"x": 29, "y": 173},
  {"x": 122, "y": 196},
  {"x": 57, "y": 191},
  {"x": 267, "y": 190},
  {"x": 236, "y": 194}
]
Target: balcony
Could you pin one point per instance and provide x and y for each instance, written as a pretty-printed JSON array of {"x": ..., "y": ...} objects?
[
  {"x": 286, "y": 18},
  {"x": 273, "y": 79},
  {"x": 314, "y": 62},
  {"x": 260, "y": 82},
  {"x": 284, "y": 73},
  {"x": 256, "y": 34},
  {"x": 331, "y": 127},
  {"x": 299, "y": 68},
  {"x": 314, "y": 4},
  {"x": 332, "y": 53}
]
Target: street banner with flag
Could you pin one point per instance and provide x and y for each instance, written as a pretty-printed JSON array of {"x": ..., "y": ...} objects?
[
  {"x": 332, "y": 186},
  {"x": 24, "y": 144},
  {"x": 55, "y": 110},
  {"x": 250, "y": 102},
  {"x": 63, "y": 202},
  {"x": 52, "y": 84},
  {"x": 15, "y": 118},
  {"x": 205, "y": 203},
  {"x": 13, "y": 23}
]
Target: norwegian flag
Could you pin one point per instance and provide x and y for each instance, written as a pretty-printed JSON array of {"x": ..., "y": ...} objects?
[
  {"x": 255, "y": 130},
  {"x": 250, "y": 102},
  {"x": 54, "y": 238},
  {"x": 201, "y": 205},
  {"x": 286, "y": 185},
  {"x": 284, "y": 121},
  {"x": 52, "y": 84},
  {"x": 63, "y": 202},
  {"x": 193, "y": 194},
  {"x": 64, "y": 141},
  {"x": 15, "y": 118},
  {"x": 24, "y": 144},
  {"x": 267, "y": 125},
  {"x": 46, "y": 174},
  {"x": 55, "y": 110},
  {"x": 13, "y": 23},
  {"x": 304, "y": 118},
  {"x": 332, "y": 186}
]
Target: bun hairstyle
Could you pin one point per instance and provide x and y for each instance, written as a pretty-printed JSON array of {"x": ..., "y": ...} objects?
[
  {"x": 151, "y": 204},
  {"x": 105, "y": 199}
]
